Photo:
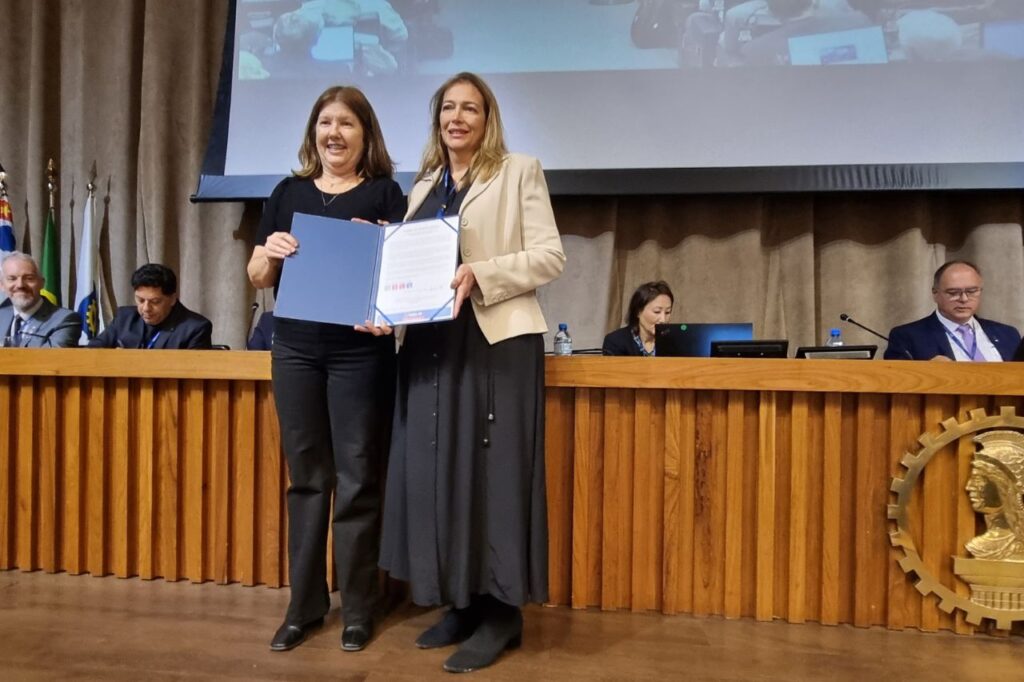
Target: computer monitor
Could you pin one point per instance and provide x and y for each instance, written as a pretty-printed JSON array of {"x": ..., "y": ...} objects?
[
  {"x": 855, "y": 46},
  {"x": 336, "y": 44},
  {"x": 836, "y": 352},
  {"x": 693, "y": 340},
  {"x": 771, "y": 348},
  {"x": 1004, "y": 37}
]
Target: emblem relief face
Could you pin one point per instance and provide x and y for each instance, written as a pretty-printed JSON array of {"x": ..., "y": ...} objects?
[{"x": 993, "y": 565}]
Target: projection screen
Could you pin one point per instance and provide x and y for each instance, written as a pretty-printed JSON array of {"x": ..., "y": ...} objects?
[{"x": 656, "y": 96}]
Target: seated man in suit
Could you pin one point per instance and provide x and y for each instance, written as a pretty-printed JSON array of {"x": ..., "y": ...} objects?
[
  {"x": 158, "y": 319},
  {"x": 263, "y": 335},
  {"x": 27, "y": 320},
  {"x": 952, "y": 332}
]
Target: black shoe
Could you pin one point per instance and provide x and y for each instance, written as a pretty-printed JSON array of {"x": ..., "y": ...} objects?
[
  {"x": 356, "y": 637},
  {"x": 500, "y": 630},
  {"x": 456, "y": 626},
  {"x": 289, "y": 636}
]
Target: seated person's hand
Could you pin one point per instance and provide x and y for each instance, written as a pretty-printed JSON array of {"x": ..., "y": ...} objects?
[{"x": 941, "y": 358}]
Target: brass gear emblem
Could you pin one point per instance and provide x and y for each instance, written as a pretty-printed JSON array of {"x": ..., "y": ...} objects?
[{"x": 903, "y": 488}]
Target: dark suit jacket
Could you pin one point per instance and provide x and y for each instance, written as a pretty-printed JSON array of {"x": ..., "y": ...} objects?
[
  {"x": 926, "y": 338},
  {"x": 263, "y": 335},
  {"x": 181, "y": 329},
  {"x": 620, "y": 342},
  {"x": 49, "y": 327}
]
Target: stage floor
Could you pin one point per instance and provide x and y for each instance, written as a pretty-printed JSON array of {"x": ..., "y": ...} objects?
[{"x": 83, "y": 628}]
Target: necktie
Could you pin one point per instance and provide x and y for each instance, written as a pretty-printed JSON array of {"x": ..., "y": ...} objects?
[
  {"x": 16, "y": 332},
  {"x": 970, "y": 343}
]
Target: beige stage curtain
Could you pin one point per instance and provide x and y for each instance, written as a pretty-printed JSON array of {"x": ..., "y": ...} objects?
[
  {"x": 788, "y": 263},
  {"x": 129, "y": 85}
]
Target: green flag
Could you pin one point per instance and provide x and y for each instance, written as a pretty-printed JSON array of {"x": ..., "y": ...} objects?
[{"x": 50, "y": 262}]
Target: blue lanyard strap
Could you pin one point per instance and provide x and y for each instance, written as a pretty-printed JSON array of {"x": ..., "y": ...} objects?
[
  {"x": 451, "y": 191},
  {"x": 956, "y": 339},
  {"x": 153, "y": 340}
]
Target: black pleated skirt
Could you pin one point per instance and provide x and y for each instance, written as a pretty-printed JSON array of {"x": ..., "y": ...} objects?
[{"x": 465, "y": 510}]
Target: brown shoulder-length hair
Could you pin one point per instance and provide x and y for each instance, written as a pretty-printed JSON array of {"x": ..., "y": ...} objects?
[
  {"x": 488, "y": 159},
  {"x": 376, "y": 162},
  {"x": 644, "y": 294}
]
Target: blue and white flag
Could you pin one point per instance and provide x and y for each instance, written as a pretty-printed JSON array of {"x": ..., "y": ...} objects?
[
  {"x": 88, "y": 287},
  {"x": 7, "y": 243}
]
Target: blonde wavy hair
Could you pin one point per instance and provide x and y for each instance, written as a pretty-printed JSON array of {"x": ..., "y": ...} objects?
[{"x": 488, "y": 159}]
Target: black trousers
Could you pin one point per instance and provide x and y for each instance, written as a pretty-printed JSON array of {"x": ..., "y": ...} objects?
[{"x": 333, "y": 388}]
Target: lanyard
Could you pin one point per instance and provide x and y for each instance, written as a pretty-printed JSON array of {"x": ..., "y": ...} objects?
[
  {"x": 153, "y": 340},
  {"x": 959, "y": 344},
  {"x": 643, "y": 349},
  {"x": 451, "y": 190}
]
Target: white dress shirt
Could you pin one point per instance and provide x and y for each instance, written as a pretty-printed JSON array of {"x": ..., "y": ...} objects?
[{"x": 988, "y": 351}]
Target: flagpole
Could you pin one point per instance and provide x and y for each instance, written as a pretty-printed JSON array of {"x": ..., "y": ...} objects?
[
  {"x": 51, "y": 184},
  {"x": 49, "y": 264}
]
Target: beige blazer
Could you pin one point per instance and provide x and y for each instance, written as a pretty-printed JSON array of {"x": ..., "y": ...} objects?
[{"x": 508, "y": 236}]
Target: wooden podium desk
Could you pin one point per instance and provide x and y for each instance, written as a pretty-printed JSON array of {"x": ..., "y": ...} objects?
[
  {"x": 757, "y": 487},
  {"x": 732, "y": 487}
]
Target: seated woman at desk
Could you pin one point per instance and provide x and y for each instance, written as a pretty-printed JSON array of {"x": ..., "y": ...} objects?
[{"x": 650, "y": 305}]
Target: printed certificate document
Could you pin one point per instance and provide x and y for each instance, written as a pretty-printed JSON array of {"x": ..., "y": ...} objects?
[{"x": 347, "y": 272}]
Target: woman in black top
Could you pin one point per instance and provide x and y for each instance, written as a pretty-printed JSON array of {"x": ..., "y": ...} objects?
[
  {"x": 333, "y": 385},
  {"x": 650, "y": 305}
]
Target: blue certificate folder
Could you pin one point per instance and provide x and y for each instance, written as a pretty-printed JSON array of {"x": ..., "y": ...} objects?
[{"x": 335, "y": 274}]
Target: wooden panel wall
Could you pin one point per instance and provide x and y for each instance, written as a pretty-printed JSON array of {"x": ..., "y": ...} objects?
[
  {"x": 725, "y": 487},
  {"x": 750, "y": 503},
  {"x": 157, "y": 478}
]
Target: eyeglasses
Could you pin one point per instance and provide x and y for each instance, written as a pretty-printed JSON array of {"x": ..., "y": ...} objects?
[{"x": 955, "y": 294}]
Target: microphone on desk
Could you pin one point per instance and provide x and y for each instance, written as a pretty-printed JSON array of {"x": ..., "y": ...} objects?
[
  {"x": 45, "y": 337},
  {"x": 846, "y": 318}
]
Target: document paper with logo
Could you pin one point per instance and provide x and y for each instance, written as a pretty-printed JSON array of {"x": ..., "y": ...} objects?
[
  {"x": 418, "y": 264},
  {"x": 348, "y": 272}
]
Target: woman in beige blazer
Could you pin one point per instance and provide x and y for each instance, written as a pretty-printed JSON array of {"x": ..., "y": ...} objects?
[{"x": 465, "y": 521}]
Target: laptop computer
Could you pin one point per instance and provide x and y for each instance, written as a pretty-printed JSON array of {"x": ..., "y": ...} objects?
[
  {"x": 336, "y": 44},
  {"x": 1004, "y": 37},
  {"x": 855, "y": 46},
  {"x": 693, "y": 340}
]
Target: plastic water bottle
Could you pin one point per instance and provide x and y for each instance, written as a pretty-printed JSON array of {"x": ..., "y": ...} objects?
[
  {"x": 835, "y": 337},
  {"x": 563, "y": 342}
]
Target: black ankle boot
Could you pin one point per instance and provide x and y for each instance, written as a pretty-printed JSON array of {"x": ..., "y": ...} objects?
[
  {"x": 454, "y": 627},
  {"x": 289, "y": 636},
  {"x": 501, "y": 628}
]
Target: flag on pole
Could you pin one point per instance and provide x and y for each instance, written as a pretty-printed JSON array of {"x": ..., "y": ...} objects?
[
  {"x": 87, "y": 288},
  {"x": 50, "y": 262},
  {"x": 7, "y": 243}
]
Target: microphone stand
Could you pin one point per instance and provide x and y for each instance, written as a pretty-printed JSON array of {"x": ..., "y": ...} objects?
[{"x": 846, "y": 318}]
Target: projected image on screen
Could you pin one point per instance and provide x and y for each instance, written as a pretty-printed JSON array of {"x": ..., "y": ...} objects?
[
  {"x": 291, "y": 38},
  {"x": 832, "y": 32},
  {"x": 311, "y": 38},
  {"x": 864, "y": 93}
]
